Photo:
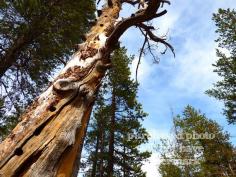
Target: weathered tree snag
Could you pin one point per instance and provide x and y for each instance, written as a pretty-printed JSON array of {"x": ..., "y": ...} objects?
[{"x": 49, "y": 139}]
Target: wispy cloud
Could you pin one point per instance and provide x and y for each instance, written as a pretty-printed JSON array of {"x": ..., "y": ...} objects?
[
  {"x": 174, "y": 83},
  {"x": 144, "y": 69},
  {"x": 151, "y": 166}
]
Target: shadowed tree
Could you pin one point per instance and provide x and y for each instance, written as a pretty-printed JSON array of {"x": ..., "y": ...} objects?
[
  {"x": 115, "y": 147},
  {"x": 49, "y": 139}
]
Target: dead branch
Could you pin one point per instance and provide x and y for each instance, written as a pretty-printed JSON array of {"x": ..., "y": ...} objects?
[
  {"x": 165, "y": 1},
  {"x": 140, "y": 16},
  {"x": 98, "y": 2},
  {"x": 155, "y": 38},
  {"x": 130, "y": 2},
  {"x": 140, "y": 55},
  {"x": 150, "y": 48}
]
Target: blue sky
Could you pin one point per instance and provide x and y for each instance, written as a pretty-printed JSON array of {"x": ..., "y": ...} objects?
[{"x": 176, "y": 82}]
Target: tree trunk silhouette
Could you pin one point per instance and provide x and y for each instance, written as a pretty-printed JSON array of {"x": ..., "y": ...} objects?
[
  {"x": 95, "y": 157},
  {"x": 49, "y": 139},
  {"x": 110, "y": 168},
  {"x": 101, "y": 165},
  {"x": 10, "y": 56}
]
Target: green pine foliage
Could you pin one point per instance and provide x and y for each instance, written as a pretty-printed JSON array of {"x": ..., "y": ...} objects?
[
  {"x": 7, "y": 122},
  {"x": 49, "y": 29},
  {"x": 225, "y": 66},
  {"x": 36, "y": 38},
  {"x": 200, "y": 148},
  {"x": 119, "y": 91}
]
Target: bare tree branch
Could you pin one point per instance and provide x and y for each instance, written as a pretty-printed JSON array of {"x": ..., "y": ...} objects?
[
  {"x": 150, "y": 48},
  {"x": 98, "y": 2},
  {"x": 130, "y": 2},
  {"x": 155, "y": 38},
  {"x": 140, "y": 16},
  {"x": 165, "y": 1},
  {"x": 140, "y": 55}
]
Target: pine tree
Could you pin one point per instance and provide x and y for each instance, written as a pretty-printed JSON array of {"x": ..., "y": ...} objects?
[
  {"x": 225, "y": 66},
  {"x": 201, "y": 148},
  {"x": 36, "y": 38},
  {"x": 117, "y": 115},
  {"x": 7, "y": 122}
]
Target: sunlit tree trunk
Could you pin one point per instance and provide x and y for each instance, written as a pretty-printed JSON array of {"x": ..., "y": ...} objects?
[{"x": 49, "y": 139}]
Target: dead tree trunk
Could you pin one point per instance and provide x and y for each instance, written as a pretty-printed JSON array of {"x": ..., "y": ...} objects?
[{"x": 49, "y": 139}]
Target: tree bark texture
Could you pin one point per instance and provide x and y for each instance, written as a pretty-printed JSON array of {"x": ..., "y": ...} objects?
[{"x": 49, "y": 139}]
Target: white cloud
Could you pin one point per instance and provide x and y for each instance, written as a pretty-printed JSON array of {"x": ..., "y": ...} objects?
[
  {"x": 156, "y": 135},
  {"x": 151, "y": 166},
  {"x": 194, "y": 70},
  {"x": 144, "y": 70}
]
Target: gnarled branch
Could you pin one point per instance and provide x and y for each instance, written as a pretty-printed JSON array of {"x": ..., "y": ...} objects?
[
  {"x": 155, "y": 38},
  {"x": 140, "y": 16},
  {"x": 140, "y": 56}
]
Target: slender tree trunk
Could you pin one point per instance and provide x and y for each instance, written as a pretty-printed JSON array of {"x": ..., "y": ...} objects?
[
  {"x": 124, "y": 159},
  {"x": 95, "y": 158},
  {"x": 101, "y": 154},
  {"x": 49, "y": 139},
  {"x": 10, "y": 57},
  {"x": 110, "y": 168}
]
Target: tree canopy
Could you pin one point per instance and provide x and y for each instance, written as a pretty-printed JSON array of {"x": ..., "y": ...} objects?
[
  {"x": 36, "y": 38},
  {"x": 200, "y": 148},
  {"x": 225, "y": 66},
  {"x": 115, "y": 132}
]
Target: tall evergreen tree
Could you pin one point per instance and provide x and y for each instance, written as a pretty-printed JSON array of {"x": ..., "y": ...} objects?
[
  {"x": 7, "y": 122},
  {"x": 200, "y": 148},
  {"x": 112, "y": 152},
  {"x": 36, "y": 38},
  {"x": 225, "y": 66}
]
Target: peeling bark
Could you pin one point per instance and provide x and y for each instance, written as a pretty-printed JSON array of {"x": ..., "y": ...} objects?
[{"x": 49, "y": 139}]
